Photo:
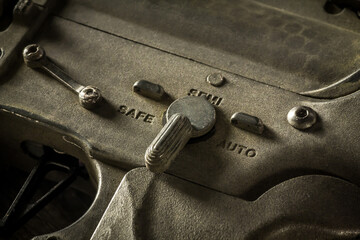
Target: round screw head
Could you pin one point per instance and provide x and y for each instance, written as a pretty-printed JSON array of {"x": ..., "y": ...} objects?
[
  {"x": 301, "y": 117},
  {"x": 90, "y": 97},
  {"x": 215, "y": 79},
  {"x": 32, "y": 54},
  {"x": 149, "y": 89}
]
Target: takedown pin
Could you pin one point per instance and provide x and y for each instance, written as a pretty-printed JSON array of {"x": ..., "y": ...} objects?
[{"x": 35, "y": 57}]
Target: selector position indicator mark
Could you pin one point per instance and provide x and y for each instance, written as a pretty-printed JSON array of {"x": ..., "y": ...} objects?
[
  {"x": 149, "y": 89},
  {"x": 247, "y": 122}
]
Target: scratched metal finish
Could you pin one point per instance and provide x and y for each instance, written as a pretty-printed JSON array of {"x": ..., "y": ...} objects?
[
  {"x": 270, "y": 45},
  {"x": 149, "y": 206},
  {"x": 346, "y": 19},
  {"x": 230, "y": 160}
]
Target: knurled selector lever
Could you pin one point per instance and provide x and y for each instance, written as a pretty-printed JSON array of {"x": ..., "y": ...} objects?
[
  {"x": 35, "y": 57},
  {"x": 187, "y": 117}
]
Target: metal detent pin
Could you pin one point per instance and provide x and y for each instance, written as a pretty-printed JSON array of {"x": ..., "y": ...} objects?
[
  {"x": 187, "y": 118},
  {"x": 35, "y": 57}
]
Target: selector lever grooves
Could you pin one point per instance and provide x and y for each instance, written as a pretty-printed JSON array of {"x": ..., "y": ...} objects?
[
  {"x": 168, "y": 143},
  {"x": 187, "y": 117}
]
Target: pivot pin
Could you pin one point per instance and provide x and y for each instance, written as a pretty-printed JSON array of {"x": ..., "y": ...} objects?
[{"x": 35, "y": 57}]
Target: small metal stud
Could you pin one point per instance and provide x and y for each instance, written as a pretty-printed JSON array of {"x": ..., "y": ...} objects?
[
  {"x": 215, "y": 79},
  {"x": 247, "y": 122},
  {"x": 149, "y": 89},
  {"x": 89, "y": 97}
]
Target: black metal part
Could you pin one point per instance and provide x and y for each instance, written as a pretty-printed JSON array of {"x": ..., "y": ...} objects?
[
  {"x": 23, "y": 208},
  {"x": 336, "y": 6},
  {"x": 6, "y": 13}
]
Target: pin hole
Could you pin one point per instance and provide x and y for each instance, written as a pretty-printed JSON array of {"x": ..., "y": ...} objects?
[
  {"x": 301, "y": 113},
  {"x": 89, "y": 91},
  {"x": 32, "y": 49}
]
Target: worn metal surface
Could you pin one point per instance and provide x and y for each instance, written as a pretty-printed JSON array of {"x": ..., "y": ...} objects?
[
  {"x": 268, "y": 55},
  {"x": 237, "y": 163},
  {"x": 343, "y": 87},
  {"x": 295, "y": 49},
  {"x": 199, "y": 111},
  {"x": 345, "y": 19},
  {"x": 149, "y": 206}
]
